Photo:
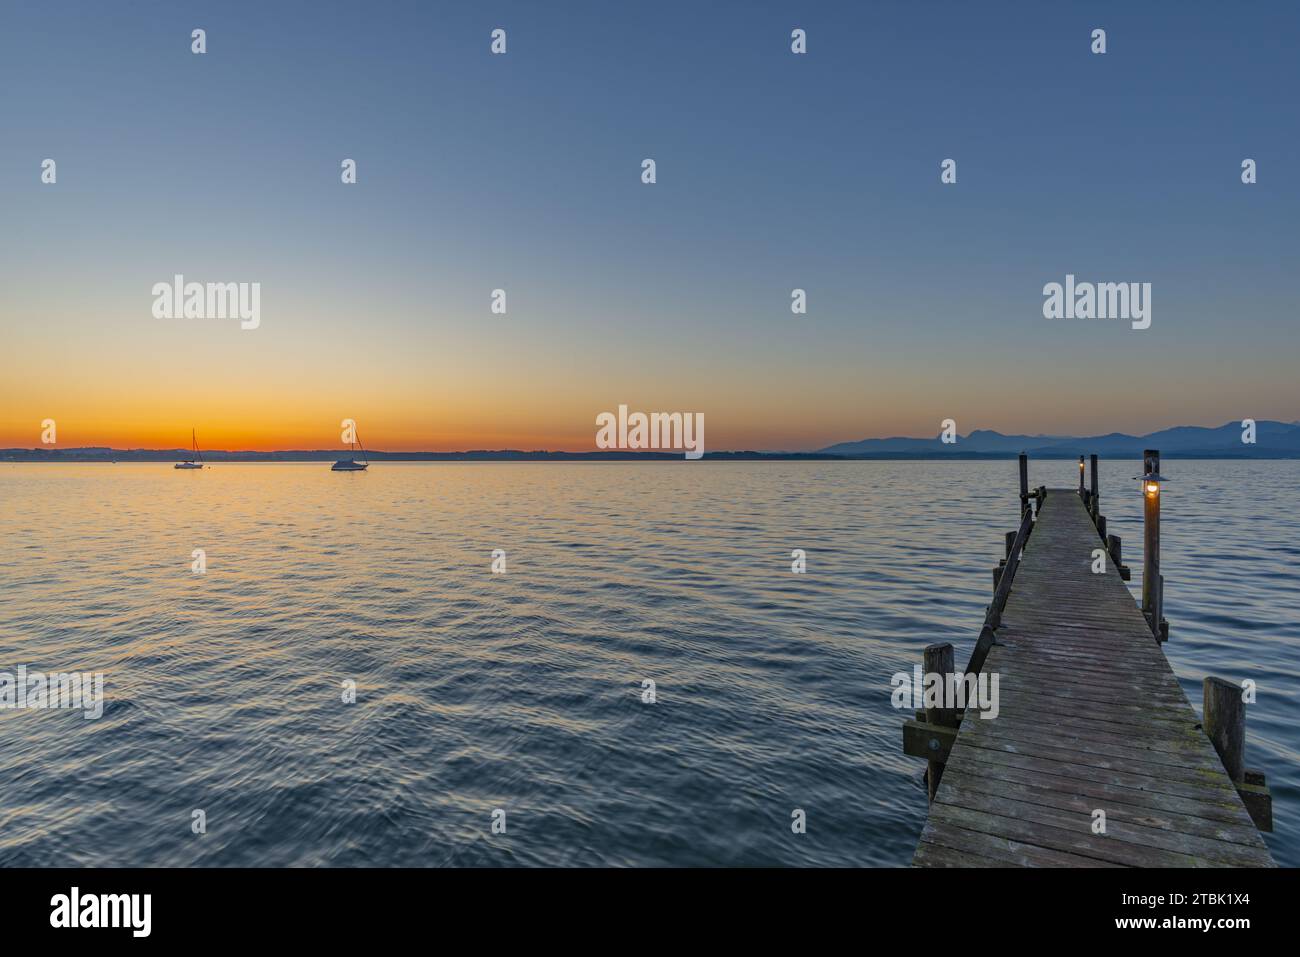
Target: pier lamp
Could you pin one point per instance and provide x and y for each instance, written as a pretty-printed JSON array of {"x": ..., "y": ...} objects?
[{"x": 1153, "y": 590}]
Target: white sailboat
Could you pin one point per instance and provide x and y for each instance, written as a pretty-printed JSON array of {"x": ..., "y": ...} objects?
[
  {"x": 351, "y": 464},
  {"x": 195, "y": 461}
]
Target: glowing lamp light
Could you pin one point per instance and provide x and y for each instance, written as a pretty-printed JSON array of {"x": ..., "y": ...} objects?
[{"x": 1151, "y": 484}]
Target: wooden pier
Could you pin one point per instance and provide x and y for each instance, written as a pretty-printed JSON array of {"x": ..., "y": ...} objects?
[{"x": 1095, "y": 757}]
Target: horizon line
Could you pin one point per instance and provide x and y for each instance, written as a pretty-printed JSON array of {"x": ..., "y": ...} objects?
[{"x": 948, "y": 448}]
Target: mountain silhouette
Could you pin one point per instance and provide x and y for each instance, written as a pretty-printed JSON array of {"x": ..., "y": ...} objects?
[{"x": 1272, "y": 440}]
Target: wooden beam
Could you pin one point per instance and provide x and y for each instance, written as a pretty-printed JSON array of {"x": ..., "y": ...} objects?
[{"x": 930, "y": 741}]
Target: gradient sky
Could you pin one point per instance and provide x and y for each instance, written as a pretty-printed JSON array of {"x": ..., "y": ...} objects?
[{"x": 523, "y": 172}]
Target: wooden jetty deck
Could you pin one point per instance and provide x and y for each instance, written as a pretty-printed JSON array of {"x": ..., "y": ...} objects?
[{"x": 1091, "y": 719}]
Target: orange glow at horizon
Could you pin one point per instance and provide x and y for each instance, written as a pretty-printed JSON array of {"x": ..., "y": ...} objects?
[{"x": 280, "y": 390}]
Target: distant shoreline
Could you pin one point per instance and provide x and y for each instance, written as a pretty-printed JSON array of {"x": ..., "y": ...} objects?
[
  {"x": 1248, "y": 440},
  {"x": 110, "y": 456}
]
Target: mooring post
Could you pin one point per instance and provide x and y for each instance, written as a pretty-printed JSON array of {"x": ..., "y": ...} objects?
[
  {"x": 1152, "y": 586},
  {"x": 1024, "y": 483},
  {"x": 938, "y": 660},
  {"x": 1093, "y": 498},
  {"x": 1081, "y": 488},
  {"x": 1224, "y": 720}
]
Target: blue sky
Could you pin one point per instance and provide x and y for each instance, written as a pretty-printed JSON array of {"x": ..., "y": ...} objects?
[{"x": 775, "y": 171}]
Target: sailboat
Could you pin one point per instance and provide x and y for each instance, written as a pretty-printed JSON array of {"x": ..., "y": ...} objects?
[
  {"x": 351, "y": 464},
  {"x": 195, "y": 461}
]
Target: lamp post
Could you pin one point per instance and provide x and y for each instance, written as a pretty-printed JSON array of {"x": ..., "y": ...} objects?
[
  {"x": 1081, "y": 475},
  {"x": 1092, "y": 499},
  {"x": 1152, "y": 582}
]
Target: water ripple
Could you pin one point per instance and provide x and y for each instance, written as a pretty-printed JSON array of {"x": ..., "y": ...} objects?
[{"x": 523, "y": 691}]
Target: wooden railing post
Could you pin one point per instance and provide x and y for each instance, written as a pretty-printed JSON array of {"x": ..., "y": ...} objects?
[
  {"x": 1081, "y": 488},
  {"x": 938, "y": 660}
]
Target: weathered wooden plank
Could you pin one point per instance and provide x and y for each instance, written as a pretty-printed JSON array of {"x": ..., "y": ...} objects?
[
  {"x": 1156, "y": 736},
  {"x": 1117, "y": 711},
  {"x": 1218, "y": 810},
  {"x": 1034, "y": 792},
  {"x": 1169, "y": 774},
  {"x": 1013, "y": 852},
  {"x": 1119, "y": 829},
  {"x": 1063, "y": 839},
  {"x": 936, "y": 855},
  {"x": 962, "y": 754},
  {"x": 1119, "y": 746}
]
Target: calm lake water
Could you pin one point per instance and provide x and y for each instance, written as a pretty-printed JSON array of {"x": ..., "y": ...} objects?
[{"x": 522, "y": 691}]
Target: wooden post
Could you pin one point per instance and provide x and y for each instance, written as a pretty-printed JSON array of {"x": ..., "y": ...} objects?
[
  {"x": 1024, "y": 482},
  {"x": 1151, "y": 540},
  {"x": 938, "y": 660},
  {"x": 1093, "y": 499},
  {"x": 1116, "y": 548},
  {"x": 1161, "y": 635},
  {"x": 1224, "y": 720},
  {"x": 1011, "y": 540},
  {"x": 1081, "y": 488}
]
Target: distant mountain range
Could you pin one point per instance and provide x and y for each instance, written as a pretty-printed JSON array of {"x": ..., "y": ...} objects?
[{"x": 1273, "y": 440}]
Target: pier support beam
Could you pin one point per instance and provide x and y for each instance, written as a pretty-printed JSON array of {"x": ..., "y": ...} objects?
[
  {"x": 1024, "y": 483},
  {"x": 1224, "y": 721}
]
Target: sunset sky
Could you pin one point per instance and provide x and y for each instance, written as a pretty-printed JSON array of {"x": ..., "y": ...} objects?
[{"x": 522, "y": 172}]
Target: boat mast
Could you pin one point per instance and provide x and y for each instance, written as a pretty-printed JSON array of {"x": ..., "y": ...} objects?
[{"x": 194, "y": 439}]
